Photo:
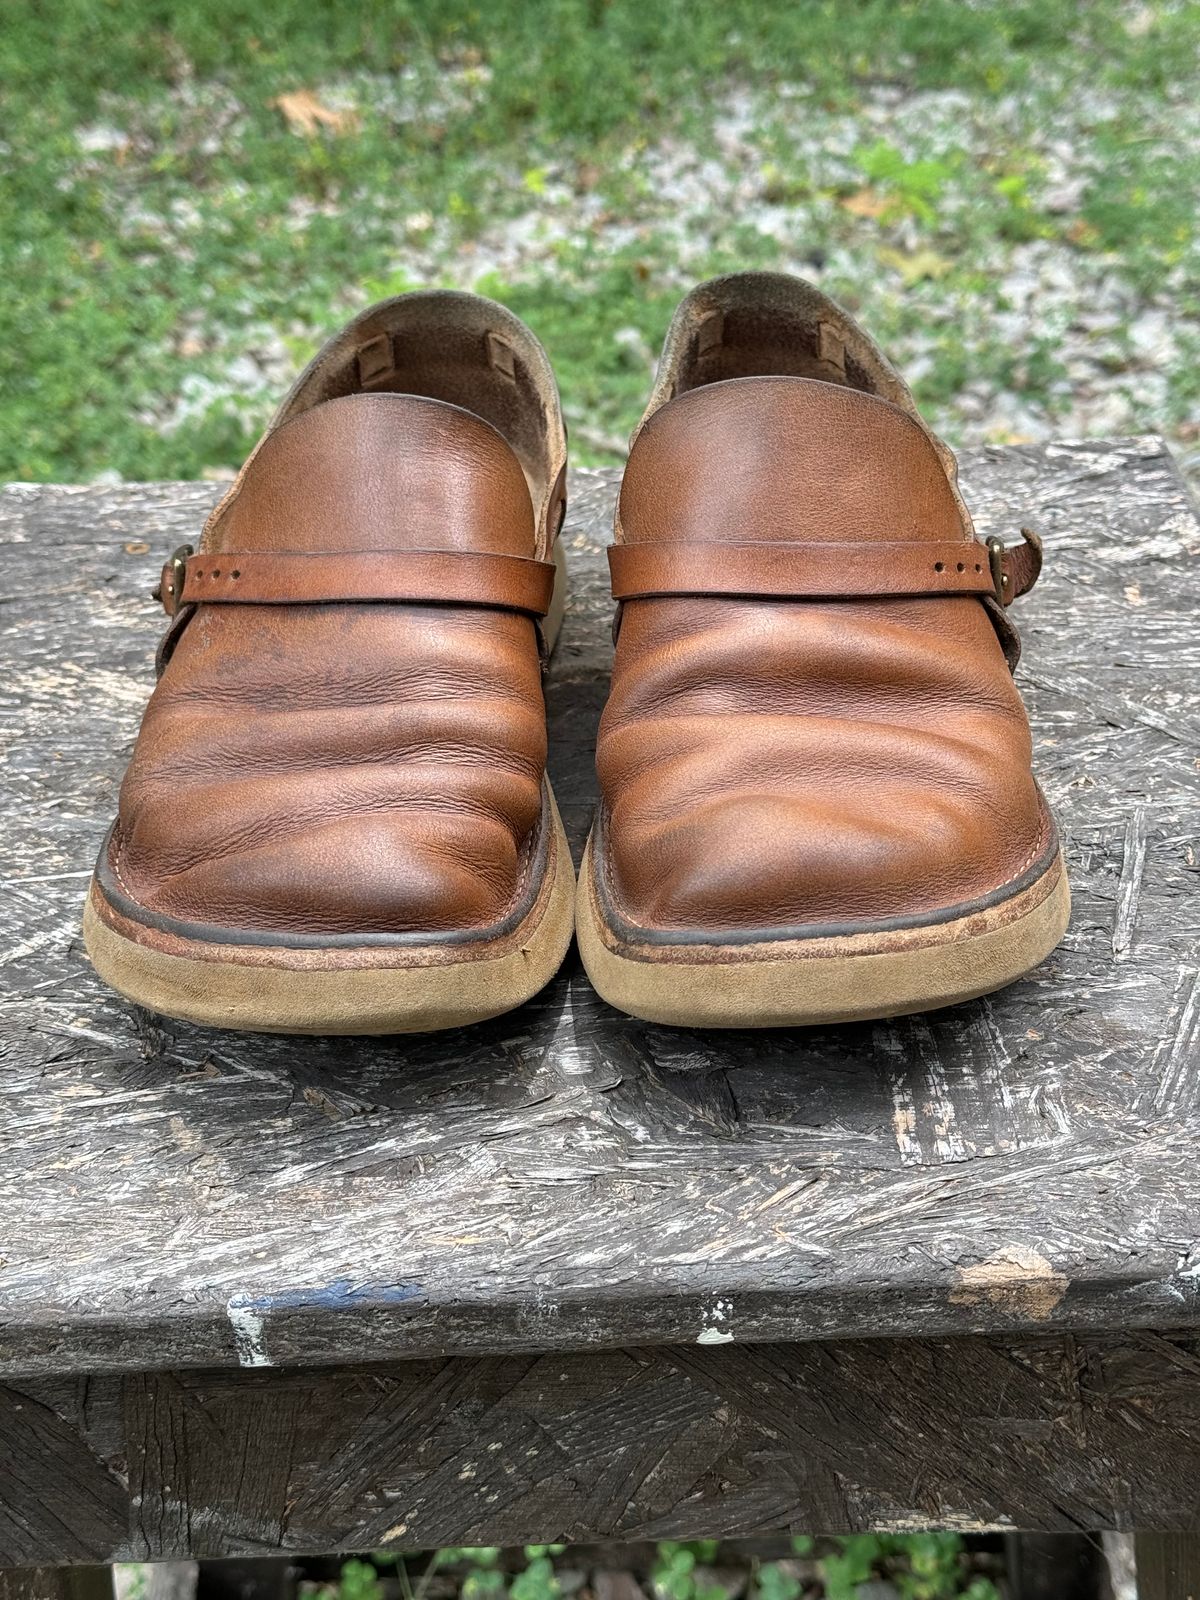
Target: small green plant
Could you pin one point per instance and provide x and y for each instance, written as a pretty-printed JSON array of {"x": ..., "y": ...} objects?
[
  {"x": 484, "y": 1583},
  {"x": 935, "y": 1563},
  {"x": 920, "y": 1566},
  {"x": 134, "y": 1579},
  {"x": 773, "y": 1581},
  {"x": 538, "y": 1581},
  {"x": 852, "y": 1564},
  {"x": 673, "y": 1575},
  {"x": 1016, "y": 216},
  {"x": 485, "y": 1580},
  {"x": 359, "y": 1581},
  {"x": 911, "y": 187}
]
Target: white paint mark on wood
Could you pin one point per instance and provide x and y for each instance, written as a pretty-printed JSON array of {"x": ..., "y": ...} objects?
[
  {"x": 249, "y": 1334},
  {"x": 939, "y": 1109},
  {"x": 712, "y": 1332},
  {"x": 950, "y": 1521},
  {"x": 923, "y": 1111}
]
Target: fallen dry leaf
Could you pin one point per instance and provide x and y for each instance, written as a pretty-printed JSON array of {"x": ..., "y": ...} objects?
[
  {"x": 304, "y": 114},
  {"x": 865, "y": 203},
  {"x": 917, "y": 266},
  {"x": 1082, "y": 234}
]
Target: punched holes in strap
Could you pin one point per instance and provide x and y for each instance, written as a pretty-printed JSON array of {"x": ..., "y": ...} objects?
[
  {"x": 293, "y": 577},
  {"x": 802, "y": 570}
]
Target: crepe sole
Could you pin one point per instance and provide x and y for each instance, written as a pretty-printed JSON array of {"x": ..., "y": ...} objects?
[
  {"x": 368, "y": 989},
  {"x": 847, "y": 977}
]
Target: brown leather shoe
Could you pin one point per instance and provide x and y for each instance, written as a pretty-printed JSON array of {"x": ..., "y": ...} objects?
[
  {"x": 816, "y": 795},
  {"x": 336, "y": 818}
]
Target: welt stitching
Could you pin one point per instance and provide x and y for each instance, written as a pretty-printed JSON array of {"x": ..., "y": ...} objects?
[{"x": 117, "y": 865}]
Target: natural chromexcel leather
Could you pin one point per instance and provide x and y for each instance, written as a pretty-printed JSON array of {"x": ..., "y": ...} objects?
[
  {"x": 799, "y": 569},
  {"x": 788, "y": 764},
  {"x": 348, "y": 767},
  {"x": 308, "y": 577}
]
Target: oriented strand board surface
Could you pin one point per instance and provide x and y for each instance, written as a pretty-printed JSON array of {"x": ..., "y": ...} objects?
[
  {"x": 567, "y": 1178},
  {"x": 1056, "y": 1432}
]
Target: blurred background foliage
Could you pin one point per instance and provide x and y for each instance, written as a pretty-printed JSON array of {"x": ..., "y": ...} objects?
[
  {"x": 192, "y": 195},
  {"x": 923, "y": 1566},
  {"x": 916, "y": 1566}
]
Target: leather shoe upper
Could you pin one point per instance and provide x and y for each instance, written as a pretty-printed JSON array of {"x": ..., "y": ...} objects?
[
  {"x": 349, "y": 767},
  {"x": 779, "y": 765}
]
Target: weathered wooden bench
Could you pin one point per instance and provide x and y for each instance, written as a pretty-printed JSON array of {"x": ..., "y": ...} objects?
[{"x": 570, "y": 1276}]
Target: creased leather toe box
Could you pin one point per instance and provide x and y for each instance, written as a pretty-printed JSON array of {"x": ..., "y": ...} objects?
[
  {"x": 769, "y": 768},
  {"x": 338, "y": 770}
]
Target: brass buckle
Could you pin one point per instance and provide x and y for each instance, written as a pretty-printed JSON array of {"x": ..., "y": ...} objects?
[
  {"x": 170, "y": 586},
  {"x": 995, "y": 550}
]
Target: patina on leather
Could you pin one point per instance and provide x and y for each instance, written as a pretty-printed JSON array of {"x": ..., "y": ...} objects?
[
  {"x": 309, "y": 577},
  {"x": 800, "y": 569},
  {"x": 780, "y": 755},
  {"x": 358, "y": 747}
]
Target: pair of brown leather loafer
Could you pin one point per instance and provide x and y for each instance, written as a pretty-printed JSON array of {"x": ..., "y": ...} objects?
[{"x": 817, "y": 802}]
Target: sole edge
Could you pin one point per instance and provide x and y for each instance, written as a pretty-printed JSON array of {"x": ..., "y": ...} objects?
[
  {"x": 405, "y": 997},
  {"x": 838, "y": 983}
]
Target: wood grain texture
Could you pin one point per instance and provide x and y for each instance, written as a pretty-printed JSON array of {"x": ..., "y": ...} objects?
[
  {"x": 566, "y": 1178},
  {"x": 1168, "y": 1566},
  {"x": 1058, "y": 1566},
  {"x": 1057, "y": 1433},
  {"x": 56, "y": 1583}
]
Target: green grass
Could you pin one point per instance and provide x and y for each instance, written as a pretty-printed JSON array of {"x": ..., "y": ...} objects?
[
  {"x": 170, "y": 249},
  {"x": 572, "y": 67}
]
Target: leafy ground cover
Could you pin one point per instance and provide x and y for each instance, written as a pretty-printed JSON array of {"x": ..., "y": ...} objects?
[
  {"x": 929, "y": 1566},
  {"x": 192, "y": 195},
  {"x": 925, "y": 1566}
]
